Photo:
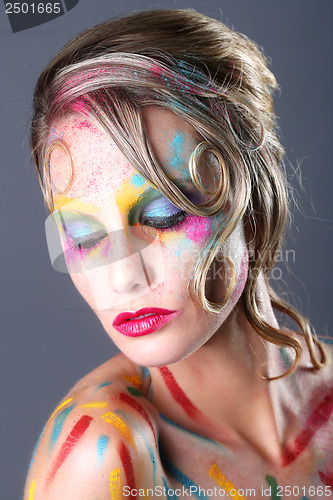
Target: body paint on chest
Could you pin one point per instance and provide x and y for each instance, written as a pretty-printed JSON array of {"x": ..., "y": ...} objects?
[
  {"x": 273, "y": 487},
  {"x": 179, "y": 476},
  {"x": 178, "y": 394},
  {"x": 317, "y": 419},
  {"x": 216, "y": 474}
]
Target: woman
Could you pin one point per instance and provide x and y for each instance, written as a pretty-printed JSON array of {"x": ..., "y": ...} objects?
[{"x": 155, "y": 141}]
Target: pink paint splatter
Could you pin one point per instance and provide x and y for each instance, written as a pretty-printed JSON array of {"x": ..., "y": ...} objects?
[{"x": 198, "y": 228}]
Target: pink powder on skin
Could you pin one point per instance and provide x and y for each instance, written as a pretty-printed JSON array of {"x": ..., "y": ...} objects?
[{"x": 198, "y": 228}]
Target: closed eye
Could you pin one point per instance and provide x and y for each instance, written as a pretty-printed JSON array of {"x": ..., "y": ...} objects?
[
  {"x": 162, "y": 214},
  {"x": 88, "y": 241}
]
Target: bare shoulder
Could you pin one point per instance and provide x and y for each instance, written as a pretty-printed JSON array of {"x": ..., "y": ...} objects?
[{"x": 101, "y": 436}]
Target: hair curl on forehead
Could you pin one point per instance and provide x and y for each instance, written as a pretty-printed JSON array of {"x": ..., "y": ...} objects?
[{"x": 217, "y": 81}]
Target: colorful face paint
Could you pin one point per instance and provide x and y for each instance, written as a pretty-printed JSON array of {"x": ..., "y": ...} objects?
[
  {"x": 178, "y": 394},
  {"x": 120, "y": 425},
  {"x": 220, "y": 478},
  {"x": 198, "y": 229},
  {"x": 129, "y": 209},
  {"x": 317, "y": 419},
  {"x": 137, "y": 180},
  {"x": 58, "y": 425},
  {"x": 102, "y": 445},
  {"x": 71, "y": 441},
  {"x": 115, "y": 485},
  {"x": 126, "y": 460}
]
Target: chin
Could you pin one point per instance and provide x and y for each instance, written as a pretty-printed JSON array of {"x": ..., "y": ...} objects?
[{"x": 156, "y": 352}]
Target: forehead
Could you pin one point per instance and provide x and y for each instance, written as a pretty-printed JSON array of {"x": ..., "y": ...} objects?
[{"x": 100, "y": 168}]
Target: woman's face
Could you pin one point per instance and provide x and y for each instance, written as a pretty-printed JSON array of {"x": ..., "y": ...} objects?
[{"x": 129, "y": 248}]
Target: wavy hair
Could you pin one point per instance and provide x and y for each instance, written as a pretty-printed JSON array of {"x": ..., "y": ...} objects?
[{"x": 215, "y": 79}]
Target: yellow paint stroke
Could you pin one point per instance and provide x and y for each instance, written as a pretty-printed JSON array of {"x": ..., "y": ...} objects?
[
  {"x": 97, "y": 404},
  {"x": 220, "y": 478},
  {"x": 32, "y": 490},
  {"x": 59, "y": 408},
  {"x": 120, "y": 425},
  {"x": 115, "y": 485},
  {"x": 74, "y": 205},
  {"x": 134, "y": 379},
  {"x": 127, "y": 195}
]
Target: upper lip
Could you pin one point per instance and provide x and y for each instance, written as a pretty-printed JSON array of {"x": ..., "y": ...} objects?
[{"x": 125, "y": 316}]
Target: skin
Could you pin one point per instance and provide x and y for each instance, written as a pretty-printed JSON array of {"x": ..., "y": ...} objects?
[{"x": 123, "y": 424}]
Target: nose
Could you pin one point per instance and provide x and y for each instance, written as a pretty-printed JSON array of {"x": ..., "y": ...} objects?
[{"x": 129, "y": 275}]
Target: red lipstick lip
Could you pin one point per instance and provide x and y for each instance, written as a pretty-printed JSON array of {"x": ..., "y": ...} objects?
[{"x": 127, "y": 324}]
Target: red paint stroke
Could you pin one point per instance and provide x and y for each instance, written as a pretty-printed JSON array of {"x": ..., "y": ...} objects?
[
  {"x": 125, "y": 457},
  {"x": 71, "y": 441},
  {"x": 326, "y": 479},
  {"x": 134, "y": 404},
  {"x": 317, "y": 419},
  {"x": 178, "y": 394}
]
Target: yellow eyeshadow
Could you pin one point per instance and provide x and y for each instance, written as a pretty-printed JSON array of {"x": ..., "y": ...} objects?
[
  {"x": 74, "y": 204},
  {"x": 127, "y": 195}
]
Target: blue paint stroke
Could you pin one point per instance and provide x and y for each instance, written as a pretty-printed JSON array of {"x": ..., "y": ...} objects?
[
  {"x": 194, "y": 434},
  {"x": 35, "y": 449},
  {"x": 177, "y": 149},
  {"x": 134, "y": 423},
  {"x": 58, "y": 425},
  {"x": 137, "y": 180},
  {"x": 180, "y": 476},
  {"x": 305, "y": 498},
  {"x": 170, "y": 493},
  {"x": 145, "y": 372},
  {"x": 104, "y": 384},
  {"x": 102, "y": 444}
]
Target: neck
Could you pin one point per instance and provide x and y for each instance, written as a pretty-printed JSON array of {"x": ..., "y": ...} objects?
[{"x": 217, "y": 391}]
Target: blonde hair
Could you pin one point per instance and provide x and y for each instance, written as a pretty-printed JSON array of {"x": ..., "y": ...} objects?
[{"x": 215, "y": 79}]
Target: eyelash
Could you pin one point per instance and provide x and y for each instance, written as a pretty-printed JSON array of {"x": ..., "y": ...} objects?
[
  {"x": 88, "y": 243},
  {"x": 164, "y": 223}
]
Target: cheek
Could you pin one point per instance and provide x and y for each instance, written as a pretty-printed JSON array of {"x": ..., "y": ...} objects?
[
  {"x": 182, "y": 246},
  {"x": 191, "y": 237}
]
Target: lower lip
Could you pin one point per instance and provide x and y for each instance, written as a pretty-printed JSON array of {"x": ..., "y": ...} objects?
[{"x": 144, "y": 326}]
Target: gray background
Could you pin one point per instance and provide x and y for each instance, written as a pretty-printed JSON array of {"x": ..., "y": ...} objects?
[{"x": 49, "y": 338}]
